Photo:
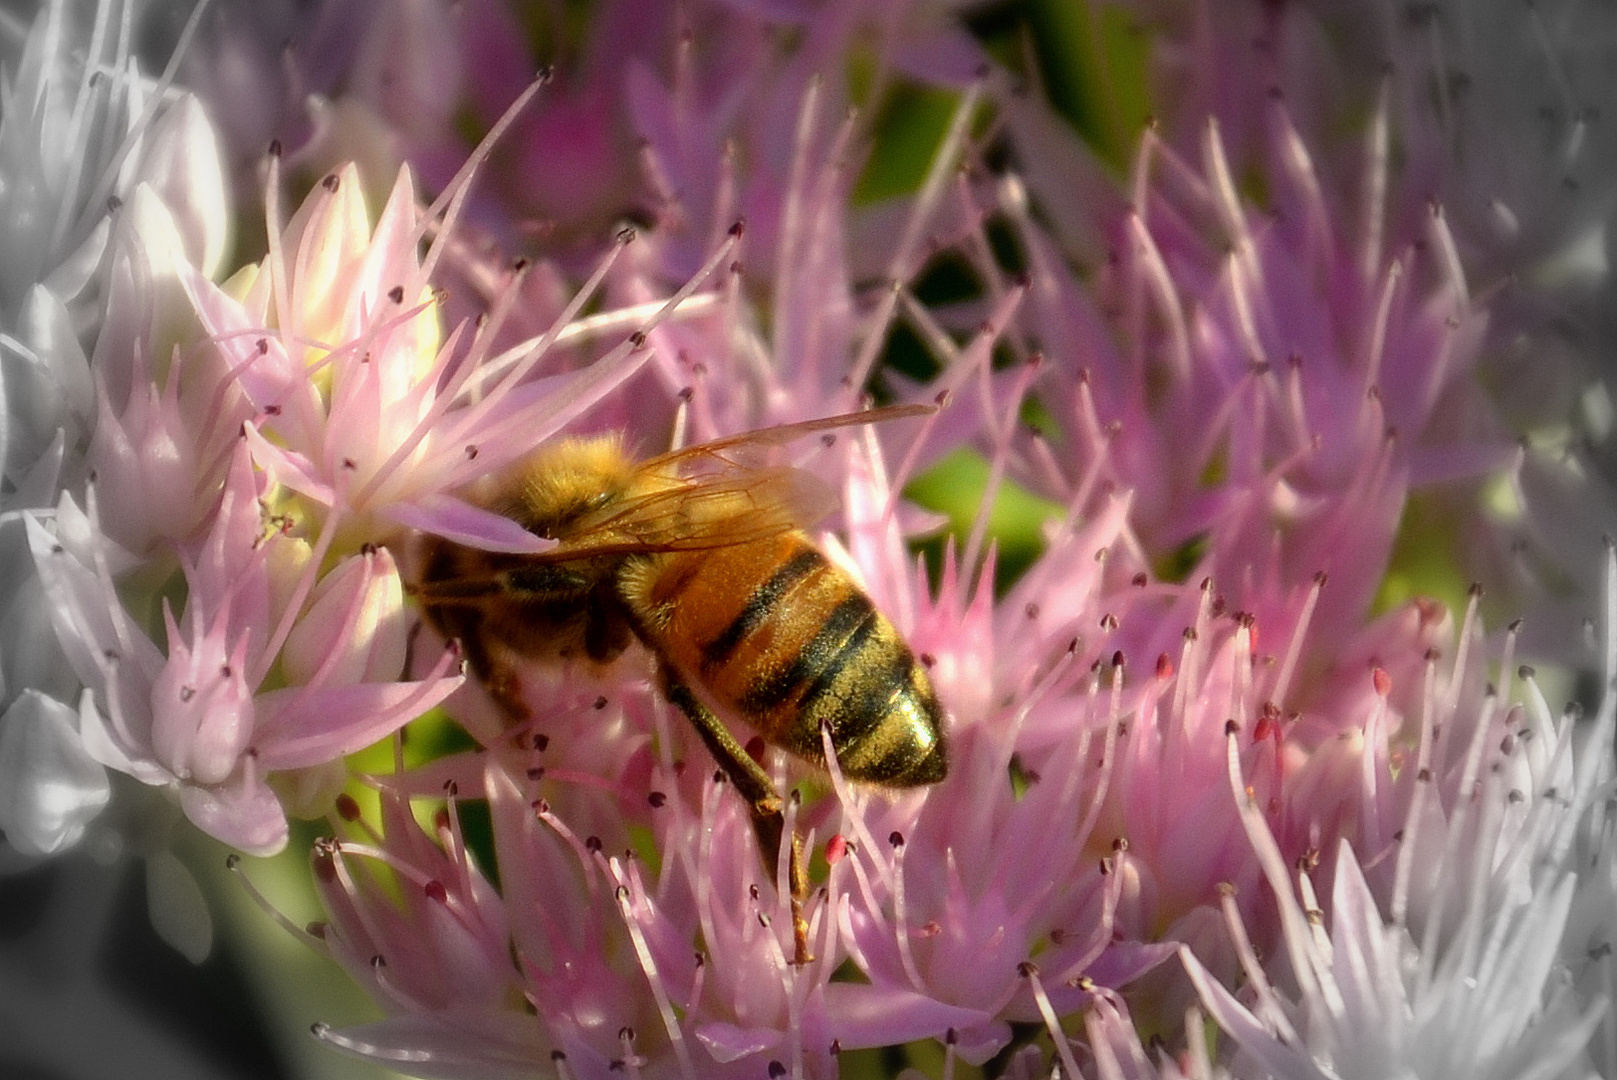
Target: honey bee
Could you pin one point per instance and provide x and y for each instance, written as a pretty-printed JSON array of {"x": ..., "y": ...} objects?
[{"x": 701, "y": 557}]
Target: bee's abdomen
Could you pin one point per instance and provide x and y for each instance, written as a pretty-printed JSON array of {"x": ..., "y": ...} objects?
[{"x": 778, "y": 634}]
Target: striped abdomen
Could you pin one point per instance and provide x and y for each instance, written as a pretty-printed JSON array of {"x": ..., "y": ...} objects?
[{"x": 777, "y": 634}]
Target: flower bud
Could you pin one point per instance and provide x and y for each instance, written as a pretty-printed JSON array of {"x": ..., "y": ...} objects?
[
  {"x": 327, "y": 240},
  {"x": 355, "y": 627},
  {"x": 202, "y": 707}
]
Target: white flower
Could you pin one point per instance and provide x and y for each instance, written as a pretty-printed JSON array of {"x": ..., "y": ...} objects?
[
  {"x": 1477, "y": 945},
  {"x": 80, "y": 131}
]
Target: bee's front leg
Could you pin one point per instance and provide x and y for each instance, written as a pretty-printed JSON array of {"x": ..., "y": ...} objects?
[
  {"x": 768, "y": 818},
  {"x": 489, "y": 614}
]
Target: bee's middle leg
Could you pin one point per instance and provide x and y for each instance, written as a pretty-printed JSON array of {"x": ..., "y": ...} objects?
[{"x": 768, "y": 818}]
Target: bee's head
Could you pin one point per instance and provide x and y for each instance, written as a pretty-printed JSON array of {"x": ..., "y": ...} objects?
[{"x": 565, "y": 482}]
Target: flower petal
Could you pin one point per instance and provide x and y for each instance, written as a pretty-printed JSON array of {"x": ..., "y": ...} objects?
[
  {"x": 887, "y": 1015},
  {"x": 460, "y": 521},
  {"x": 181, "y": 163},
  {"x": 303, "y": 727},
  {"x": 50, "y": 788},
  {"x": 242, "y": 812}
]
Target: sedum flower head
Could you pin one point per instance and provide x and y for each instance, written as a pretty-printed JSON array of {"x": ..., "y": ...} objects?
[
  {"x": 1321, "y": 377},
  {"x": 256, "y": 433}
]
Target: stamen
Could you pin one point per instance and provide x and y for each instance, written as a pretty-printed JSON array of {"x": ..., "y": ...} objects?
[
  {"x": 512, "y": 365},
  {"x": 1299, "y": 165},
  {"x": 581, "y": 850},
  {"x": 1160, "y": 284},
  {"x": 1371, "y": 771},
  {"x": 233, "y": 864},
  {"x": 1436, "y": 376},
  {"x": 294, "y": 604},
  {"x": 1315, "y": 915},
  {"x": 971, "y": 362},
  {"x": 1312, "y": 979},
  {"x": 1448, "y": 259},
  {"x": 843, "y": 916},
  {"x": 1141, "y": 170},
  {"x": 1416, "y": 811},
  {"x": 693, "y": 1000},
  {"x": 1006, "y": 428},
  {"x": 1296, "y": 411},
  {"x": 924, "y": 203},
  {"x": 1377, "y": 177},
  {"x": 1265, "y": 1001},
  {"x": 1294, "y": 647},
  {"x": 447, "y": 207},
  {"x": 1592, "y": 766},
  {"x": 1240, "y": 662},
  {"x": 1216, "y": 434},
  {"x": 1052, "y": 1022},
  {"x": 773, "y": 953},
  {"x": 1108, "y": 1033},
  {"x": 630, "y": 908},
  {"x": 623, "y": 319},
  {"x": 1378, "y": 327},
  {"x": 1242, "y": 291},
  {"x": 1112, "y": 728},
  {"x": 1226, "y": 201},
  {"x": 388, "y": 988},
  {"x": 1060, "y": 674},
  {"x": 1245, "y": 269},
  {"x": 1100, "y": 936},
  {"x": 1447, "y": 864},
  {"x": 974, "y": 246},
  {"x": 83, "y": 118},
  {"x": 453, "y": 841},
  {"x": 403, "y": 1055},
  {"x": 154, "y": 96},
  {"x": 584, "y": 389},
  {"x": 901, "y": 923},
  {"x": 1469, "y": 628},
  {"x": 669, "y": 211},
  {"x": 852, "y": 804},
  {"x": 788, "y": 251},
  {"x": 1201, "y": 1062},
  {"x": 703, "y": 871},
  {"x": 630, "y": 1062},
  {"x": 724, "y": 198},
  {"x": 795, "y": 985},
  {"x": 905, "y": 471}
]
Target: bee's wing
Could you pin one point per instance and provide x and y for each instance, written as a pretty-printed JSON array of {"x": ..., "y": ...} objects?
[
  {"x": 730, "y": 448},
  {"x": 710, "y": 495},
  {"x": 717, "y": 509}
]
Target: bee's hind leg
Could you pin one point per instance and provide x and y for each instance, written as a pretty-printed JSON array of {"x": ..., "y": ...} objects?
[{"x": 768, "y": 818}]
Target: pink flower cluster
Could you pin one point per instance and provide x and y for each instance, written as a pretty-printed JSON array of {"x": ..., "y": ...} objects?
[{"x": 1211, "y": 756}]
